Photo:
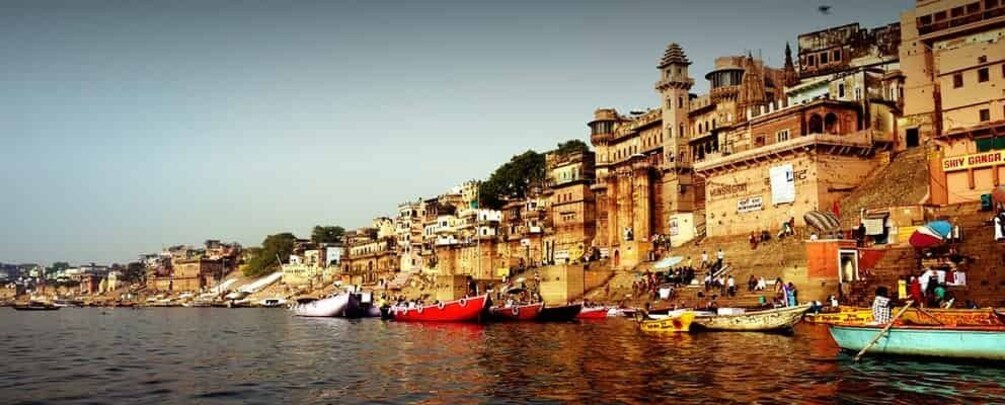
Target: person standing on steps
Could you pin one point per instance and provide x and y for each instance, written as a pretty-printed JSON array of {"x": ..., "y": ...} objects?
[{"x": 718, "y": 259}]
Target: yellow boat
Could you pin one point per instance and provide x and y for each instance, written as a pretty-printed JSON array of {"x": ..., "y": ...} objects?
[
  {"x": 679, "y": 323},
  {"x": 929, "y": 317}
]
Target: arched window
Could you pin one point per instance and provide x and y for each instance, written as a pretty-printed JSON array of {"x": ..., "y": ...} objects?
[
  {"x": 713, "y": 123},
  {"x": 815, "y": 124},
  {"x": 831, "y": 123},
  {"x": 680, "y": 130}
]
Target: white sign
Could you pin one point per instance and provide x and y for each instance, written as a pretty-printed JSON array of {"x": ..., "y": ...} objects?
[
  {"x": 749, "y": 204},
  {"x": 674, "y": 227},
  {"x": 783, "y": 184}
]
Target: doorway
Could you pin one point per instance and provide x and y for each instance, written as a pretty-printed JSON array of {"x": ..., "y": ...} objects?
[
  {"x": 847, "y": 265},
  {"x": 911, "y": 138}
]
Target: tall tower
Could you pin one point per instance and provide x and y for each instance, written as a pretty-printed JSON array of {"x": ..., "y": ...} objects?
[
  {"x": 789, "y": 71},
  {"x": 674, "y": 89}
]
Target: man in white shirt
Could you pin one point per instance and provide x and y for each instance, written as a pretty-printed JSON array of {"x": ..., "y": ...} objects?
[
  {"x": 718, "y": 258},
  {"x": 731, "y": 286}
]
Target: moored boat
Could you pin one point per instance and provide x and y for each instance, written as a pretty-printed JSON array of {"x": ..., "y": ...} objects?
[
  {"x": 962, "y": 342},
  {"x": 756, "y": 321},
  {"x": 680, "y": 322},
  {"x": 913, "y": 316},
  {"x": 327, "y": 307},
  {"x": 525, "y": 312},
  {"x": 35, "y": 306},
  {"x": 562, "y": 313},
  {"x": 592, "y": 313},
  {"x": 467, "y": 309}
]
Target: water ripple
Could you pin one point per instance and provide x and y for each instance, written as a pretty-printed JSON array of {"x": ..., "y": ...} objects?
[{"x": 265, "y": 356}]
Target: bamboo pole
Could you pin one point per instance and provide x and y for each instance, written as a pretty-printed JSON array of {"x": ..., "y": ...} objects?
[{"x": 883, "y": 332}]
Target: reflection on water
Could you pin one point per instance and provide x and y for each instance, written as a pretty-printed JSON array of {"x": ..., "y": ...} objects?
[{"x": 169, "y": 355}]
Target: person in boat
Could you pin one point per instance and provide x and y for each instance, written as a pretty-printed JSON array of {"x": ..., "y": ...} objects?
[
  {"x": 881, "y": 306},
  {"x": 915, "y": 291},
  {"x": 793, "y": 298},
  {"x": 833, "y": 301}
]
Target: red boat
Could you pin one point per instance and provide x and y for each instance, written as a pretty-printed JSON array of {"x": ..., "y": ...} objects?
[
  {"x": 592, "y": 313},
  {"x": 463, "y": 310},
  {"x": 516, "y": 312}
]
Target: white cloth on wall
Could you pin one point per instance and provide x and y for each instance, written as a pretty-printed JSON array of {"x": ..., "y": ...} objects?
[
  {"x": 959, "y": 278},
  {"x": 783, "y": 184}
]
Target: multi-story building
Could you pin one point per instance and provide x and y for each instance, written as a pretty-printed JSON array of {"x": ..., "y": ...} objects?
[
  {"x": 371, "y": 253},
  {"x": 953, "y": 57},
  {"x": 195, "y": 274},
  {"x": 572, "y": 206},
  {"x": 763, "y": 146}
]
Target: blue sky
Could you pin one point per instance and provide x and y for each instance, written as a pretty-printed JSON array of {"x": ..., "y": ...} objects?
[{"x": 127, "y": 126}]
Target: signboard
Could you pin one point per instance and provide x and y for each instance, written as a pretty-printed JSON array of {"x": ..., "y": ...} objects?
[
  {"x": 749, "y": 204},
  {"x": 674, "y": 227},
  {"x": 956, "y": 163},
  {"x": 783, "y": 184}
]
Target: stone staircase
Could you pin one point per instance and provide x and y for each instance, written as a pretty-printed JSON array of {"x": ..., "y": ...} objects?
[
  {"x": 986, "y": 257},
  {"x": 785, "y": 258},
  {"x": 902, "y": 181},
  {"x": 897, "y": 262},
  {"x": 400, "y": 280}
]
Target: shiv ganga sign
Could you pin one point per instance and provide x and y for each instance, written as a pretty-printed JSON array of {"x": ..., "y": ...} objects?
[{"x": 955, "y": 163}]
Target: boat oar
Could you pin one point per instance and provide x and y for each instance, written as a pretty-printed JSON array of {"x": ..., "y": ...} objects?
[
  {"x": 930, "y": 315},
  {"x": 883, "y": 332}
]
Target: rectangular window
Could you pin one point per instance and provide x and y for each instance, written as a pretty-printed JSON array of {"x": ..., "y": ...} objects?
[
  {"x": 782, "y": 135},
  {"x": 811, "y": 60},
  {"x": 840, "y": 90},
  {"x": 985, "y": 115},
  {"x": 823, "y": 58},
  {"x": 990, "y": 3},
  {"x": 837, "y": 55},
  {"x": 957, "y": 80},
  {"x": 983, "y": 75},
  {"x": 984, "y": 145}
]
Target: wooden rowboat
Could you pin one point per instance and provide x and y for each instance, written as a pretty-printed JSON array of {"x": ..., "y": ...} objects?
[
  {"x": 462, "y": 310},
  {"x": 592, "y": 313},
  {"x": 913, "y": 316},
  {"x": 678, "y": 323},
  {"x": 968, "y": 342},
  {"x": 516, "y": 312},
  {"x": 759, "y": 321},
  {"x": 562, "y": 313}
]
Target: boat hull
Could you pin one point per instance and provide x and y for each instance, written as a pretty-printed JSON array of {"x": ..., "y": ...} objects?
[
  {"x": 327, "y": 307},
  {"x": 982, "y": 343},
  {"x": 35, "y": 308},
  {"x": 592, "y": 313},
  {"x": 677, "y": 323},
  {"x": 564, "y": 313},
  {"x": 462, "y": 310},
  {"x": 760, "y": 321},
  {"x": 913, "y": 316},
  {"x": 516, "y": 312}
]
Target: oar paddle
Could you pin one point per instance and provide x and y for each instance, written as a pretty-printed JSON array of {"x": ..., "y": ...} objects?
[
  {"x": 930, "y": 315},
  {"x": 883, "y": 332}
]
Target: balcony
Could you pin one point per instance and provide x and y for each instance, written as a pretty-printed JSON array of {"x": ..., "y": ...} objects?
[{"x": 856, "y": 142}]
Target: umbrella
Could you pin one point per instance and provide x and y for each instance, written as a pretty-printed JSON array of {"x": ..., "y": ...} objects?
[
  {"x": 943, "y": 228},
  {"x": 925, "y": 237},
  {"x": 515, "y": 290},
  {"x": 668, "y": 262}
]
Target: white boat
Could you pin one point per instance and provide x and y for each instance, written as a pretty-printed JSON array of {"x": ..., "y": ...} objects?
[
  {"x": 327, "y": 307},
  {"x": 729, "y": 319},
  {"x": 272, "y": 302}
]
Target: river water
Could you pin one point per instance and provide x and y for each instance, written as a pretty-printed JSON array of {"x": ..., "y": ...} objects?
[{"x": 211, "y": 355}]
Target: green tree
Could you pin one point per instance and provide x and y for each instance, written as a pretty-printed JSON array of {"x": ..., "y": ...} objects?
[
  {"x": 327, "y": 234},
  {"x": 572, "y": 146},
  {"x": 135, "y": 272},
  {"x": 274, "y": 248},
  {"x": 512, "y": 180}
]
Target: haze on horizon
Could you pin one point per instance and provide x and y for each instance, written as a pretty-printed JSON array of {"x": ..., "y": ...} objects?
[{"x": 130, "y": 126}]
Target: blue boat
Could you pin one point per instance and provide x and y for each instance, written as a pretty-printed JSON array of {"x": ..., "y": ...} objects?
[{"x": 983, "y": 343}]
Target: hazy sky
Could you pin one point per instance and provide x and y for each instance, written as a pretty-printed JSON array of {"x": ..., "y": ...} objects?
[{"x": 126, "y": 126}]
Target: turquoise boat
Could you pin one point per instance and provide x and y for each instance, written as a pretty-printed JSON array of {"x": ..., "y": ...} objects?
[{"x": 984, "y": 343}]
